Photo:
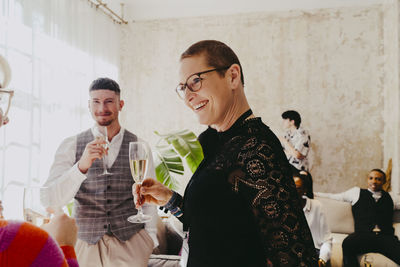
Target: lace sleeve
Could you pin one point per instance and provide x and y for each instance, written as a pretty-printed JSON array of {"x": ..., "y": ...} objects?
[{"x": 263, "y": 178}]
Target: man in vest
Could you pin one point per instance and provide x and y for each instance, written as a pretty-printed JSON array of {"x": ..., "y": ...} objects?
[
  {"x": 373, "y": 219},
  {"x": 102, "y": 202}
]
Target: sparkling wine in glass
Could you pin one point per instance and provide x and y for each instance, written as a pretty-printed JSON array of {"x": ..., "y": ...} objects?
[
  {"x": 101, "y": 132},
  {"x": 138, "y": 161}
]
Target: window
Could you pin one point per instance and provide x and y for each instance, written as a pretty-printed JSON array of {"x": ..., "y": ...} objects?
[{"x": 55, "y": 49}]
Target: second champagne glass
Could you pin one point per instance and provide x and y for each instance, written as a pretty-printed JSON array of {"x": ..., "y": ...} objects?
[
  {"x": 35, "y": 205},
  {"x": 102, "y": 132},
  {"x": 138, "y": 161}
]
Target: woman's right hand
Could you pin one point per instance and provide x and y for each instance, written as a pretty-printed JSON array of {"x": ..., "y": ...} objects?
[{"x": 151, "y": 191}]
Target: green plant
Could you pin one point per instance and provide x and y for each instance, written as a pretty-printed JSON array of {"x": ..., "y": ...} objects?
[
  {"x": 70, "y": 207},
  {"x": 171, "y": 150}
]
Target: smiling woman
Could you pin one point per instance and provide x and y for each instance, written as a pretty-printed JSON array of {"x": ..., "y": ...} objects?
[{"x": 240, "y": 207}]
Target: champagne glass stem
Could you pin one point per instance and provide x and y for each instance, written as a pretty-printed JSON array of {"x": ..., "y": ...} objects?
[
  {"x": 104, "y": 165},
  {"x": 140, "y": 211},
  {"x": 105, "y": 134}
]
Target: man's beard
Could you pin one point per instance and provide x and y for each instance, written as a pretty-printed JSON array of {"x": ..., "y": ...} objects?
[{"x": 104, "y": 123}]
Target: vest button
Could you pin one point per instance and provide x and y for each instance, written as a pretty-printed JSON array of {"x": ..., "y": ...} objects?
[
  {"x": 108, "y": 187},
  {"x": 108, "y": 213},
  {"x": 105, "y": 226},
  {"x": 108, "y": 201}
]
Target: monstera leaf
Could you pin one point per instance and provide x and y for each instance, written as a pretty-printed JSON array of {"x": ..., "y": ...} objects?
[{"x": 171, "y": 150}]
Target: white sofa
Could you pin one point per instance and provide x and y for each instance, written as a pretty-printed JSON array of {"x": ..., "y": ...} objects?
[{"x": 341, "y": 222}]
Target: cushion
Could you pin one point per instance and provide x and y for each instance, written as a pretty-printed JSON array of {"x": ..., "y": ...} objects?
[
  {"x": 174, "y": 240},
  {"x": 169, "y": 241},
  {"x": 162, "y": 238},
  {"x": 339, "y": 215}
]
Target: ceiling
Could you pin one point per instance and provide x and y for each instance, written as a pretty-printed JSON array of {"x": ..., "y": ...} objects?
[{"x": 161, "y": 9}]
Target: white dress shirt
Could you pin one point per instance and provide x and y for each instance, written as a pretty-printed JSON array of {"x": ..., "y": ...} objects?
[
  {"x": 319, "y": 227},
  {"x": 352, "y": 195},
  {"x": 65, "y": 178}
]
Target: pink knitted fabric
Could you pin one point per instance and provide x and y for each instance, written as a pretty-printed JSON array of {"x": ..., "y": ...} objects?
[{"x": 24, "y": 244}]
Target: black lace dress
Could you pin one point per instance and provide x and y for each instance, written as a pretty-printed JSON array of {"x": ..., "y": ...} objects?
[{"x": 241, "y": 205}]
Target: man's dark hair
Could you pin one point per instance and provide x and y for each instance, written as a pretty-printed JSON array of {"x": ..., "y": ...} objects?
[
  {"x": 105, "y": 84},
  {"x": 381, "y": 172},
  {"x": 217, "y": 54},
  {"x": 293, "y": 116}
]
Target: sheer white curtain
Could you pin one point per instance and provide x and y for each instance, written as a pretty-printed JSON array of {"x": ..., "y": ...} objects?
[{"x": 55, "y": 49}]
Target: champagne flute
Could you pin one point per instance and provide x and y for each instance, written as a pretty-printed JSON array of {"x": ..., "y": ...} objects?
[
  {"x": 138, "y": 161},
  {"x": 5, "y": 103},
  {"x": 104, "y": 135},
  {"x": 34, "y": 205}
]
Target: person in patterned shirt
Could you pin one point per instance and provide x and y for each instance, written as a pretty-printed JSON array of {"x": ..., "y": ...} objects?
[
  {"x": 240, "y": 207},
  {"x": 296, "y": 142}
]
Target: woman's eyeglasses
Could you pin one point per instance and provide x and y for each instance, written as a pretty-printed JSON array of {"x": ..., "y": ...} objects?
[{"x": 194, "y": 82}]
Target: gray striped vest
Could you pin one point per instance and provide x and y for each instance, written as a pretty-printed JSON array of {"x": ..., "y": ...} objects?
[{"x": 103, "y": 203}]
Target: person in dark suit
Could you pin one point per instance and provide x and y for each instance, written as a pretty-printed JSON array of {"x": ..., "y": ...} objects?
[{"x": 373, "y": 219}]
